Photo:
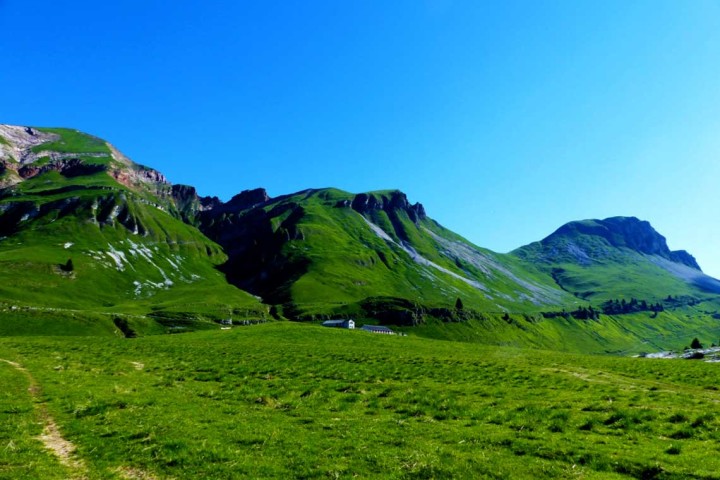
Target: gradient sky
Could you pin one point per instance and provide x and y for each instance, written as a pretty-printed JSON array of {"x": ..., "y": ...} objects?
[{"x": 505, "y": 119}]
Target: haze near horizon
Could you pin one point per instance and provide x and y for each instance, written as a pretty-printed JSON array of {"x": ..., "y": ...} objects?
[{"x": 505, "y": 119}]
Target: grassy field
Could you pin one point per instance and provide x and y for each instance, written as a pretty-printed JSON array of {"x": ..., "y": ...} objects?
[
  {"x": 286, "y": 400},
  {"x": 622, "y": 335}
]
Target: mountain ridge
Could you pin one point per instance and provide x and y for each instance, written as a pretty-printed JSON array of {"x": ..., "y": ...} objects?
[
  {"x": 85, "y": 228},
  {"x": 317, "y": 253}
]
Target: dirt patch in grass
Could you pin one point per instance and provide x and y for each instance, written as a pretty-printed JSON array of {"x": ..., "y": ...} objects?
[{"x": 132, "y": 473}]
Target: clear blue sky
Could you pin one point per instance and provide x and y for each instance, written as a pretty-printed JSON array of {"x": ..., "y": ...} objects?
[{"x": 505, "y": 119}]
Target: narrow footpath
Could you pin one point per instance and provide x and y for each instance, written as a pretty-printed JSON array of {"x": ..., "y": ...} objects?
[{"x": 51, "y": 436}]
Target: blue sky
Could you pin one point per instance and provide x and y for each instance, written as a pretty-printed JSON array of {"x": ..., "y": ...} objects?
[{"x": 505, "y": 119}]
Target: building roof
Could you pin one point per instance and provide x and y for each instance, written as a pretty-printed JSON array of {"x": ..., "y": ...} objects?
[
  {"x": 336, "y": 322},
  {"x": 376, "y": 329}
]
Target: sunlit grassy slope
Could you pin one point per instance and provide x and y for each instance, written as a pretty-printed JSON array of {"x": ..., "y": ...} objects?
[
  {"x": 628, "y": 334},
  {"x": 319, "y": 255},
  {"x": 619, "y": 257},
  {"x": 289, "y": 400},
  {"x": 79, "y": 248}
]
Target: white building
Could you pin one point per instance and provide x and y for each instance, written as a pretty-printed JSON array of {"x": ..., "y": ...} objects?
[{"x": 340, "y": 323}]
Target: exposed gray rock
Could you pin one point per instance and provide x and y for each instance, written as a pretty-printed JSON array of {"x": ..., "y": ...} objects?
[{"x": 21, "y": 141}]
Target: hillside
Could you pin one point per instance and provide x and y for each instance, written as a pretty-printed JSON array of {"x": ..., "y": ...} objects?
[
  {"x": 93, "y": 243},
  {"x": 327, "y": 252},
  {"x": 88, "y": 233},
  {"x": 619, "y": 257},
  {"x": 288, "y": 400}
]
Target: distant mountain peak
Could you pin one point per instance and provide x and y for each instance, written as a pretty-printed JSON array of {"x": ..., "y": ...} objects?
[{"x": 623, "y": 232}]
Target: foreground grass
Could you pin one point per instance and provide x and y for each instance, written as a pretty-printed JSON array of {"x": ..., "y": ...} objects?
[
  {"x": 299, "y": 401},
  {"x": 21, "y": 454}
]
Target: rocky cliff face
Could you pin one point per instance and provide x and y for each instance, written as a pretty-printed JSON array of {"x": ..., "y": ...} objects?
[
  {"x": 189, "y": 204},
  {"x": 138, "y": 176},
  {"x": 365, "y": 203},
  {"x": 18, "y": 143},
  {"x": 26, "y": 152},
  {"x": 684, "y": 257}
]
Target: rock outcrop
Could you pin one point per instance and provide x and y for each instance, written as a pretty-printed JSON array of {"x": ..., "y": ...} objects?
[
  {"x": 137, "y": 176},
  {"x": 247, "y": 199},
  {"x": 18, "y": 143},
  {"x": 190, "y": 204},
  {"x": 364, "y": 203},
  {"x": 70, "y": 167}
]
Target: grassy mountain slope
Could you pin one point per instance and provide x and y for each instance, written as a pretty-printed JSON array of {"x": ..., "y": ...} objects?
[
  {"x": 94, "y": 243},
  {"x": 628, "y": 334},
  {"x": 87, "y": 231},
  {"x": 619, "y": 257},
  {"x": 327, "y": 251}
]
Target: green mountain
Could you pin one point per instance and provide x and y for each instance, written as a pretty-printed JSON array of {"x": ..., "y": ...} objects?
[
  {"x": 327, "y": 252},
  {"x": 619, "y": 257},
  {"x": 93, "y": 243},
  {"x": 87, "y": 233}
]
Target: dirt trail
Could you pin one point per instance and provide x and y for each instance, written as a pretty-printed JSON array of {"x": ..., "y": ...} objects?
[{"x": 51, "y": 437}]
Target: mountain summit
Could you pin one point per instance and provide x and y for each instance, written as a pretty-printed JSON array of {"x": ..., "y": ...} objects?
[
  {"x": 579, "y": 237},
  {"x": 615, "y": 256},
  {"x": 26, "y": 152}
]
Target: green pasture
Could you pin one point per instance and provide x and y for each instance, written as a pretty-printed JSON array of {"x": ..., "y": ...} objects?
[{"x": 288, "y": 400}]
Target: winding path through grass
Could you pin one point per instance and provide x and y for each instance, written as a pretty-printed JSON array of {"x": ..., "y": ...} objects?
[{"x": 51, "y": 436}]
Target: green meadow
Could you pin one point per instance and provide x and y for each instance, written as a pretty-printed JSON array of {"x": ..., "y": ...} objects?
[{"x": 289, "y": 400}]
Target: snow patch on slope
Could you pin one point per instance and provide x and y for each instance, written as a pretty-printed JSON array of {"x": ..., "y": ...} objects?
[{"x": 118, "y": 257}]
